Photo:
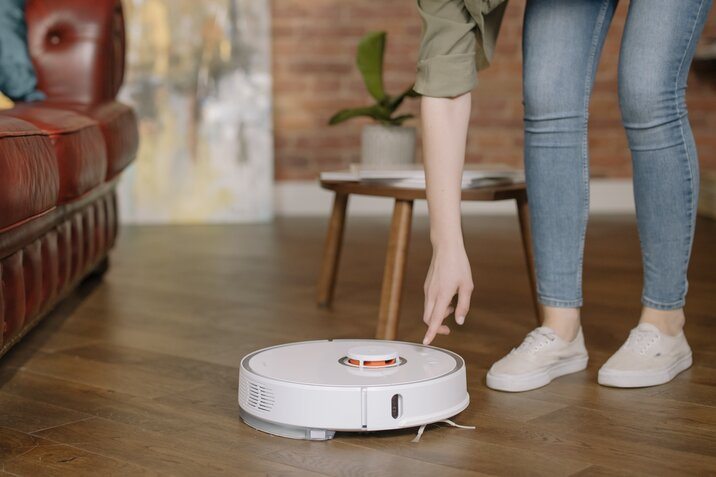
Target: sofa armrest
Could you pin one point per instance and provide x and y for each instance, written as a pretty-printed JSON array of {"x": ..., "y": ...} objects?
[{"x": 78, "y": 48}]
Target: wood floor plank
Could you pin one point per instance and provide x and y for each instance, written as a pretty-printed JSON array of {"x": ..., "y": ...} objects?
[
  {"x": 450, "y": 447},
  {"x": 28, "y": 415},
  {"x": 603, "y": 471},
  {"x": 581, "y": 445},
  {"x": 137, "y": 374},
  {"x": 648, "y": 401},
  {"x": 59, "y": 392},
  {"x": 131, "y": 377},
  {"x": 343, "y": 460},
  {"x": 61, "y": 460},
  {"x": 14, "y": 443},
  {"x": 655, "y": 430},
  {"x": 164, "y": 452}
]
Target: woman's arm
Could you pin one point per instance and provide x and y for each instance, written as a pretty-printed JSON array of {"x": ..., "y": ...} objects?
[{"x": 444, "y": 125}]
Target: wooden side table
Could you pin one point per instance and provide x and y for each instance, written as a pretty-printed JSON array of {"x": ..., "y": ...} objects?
[{"x": 399, "y": 239}]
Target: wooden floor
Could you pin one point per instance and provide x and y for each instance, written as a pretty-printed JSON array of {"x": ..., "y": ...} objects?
[{"x": 137, "y": 375}]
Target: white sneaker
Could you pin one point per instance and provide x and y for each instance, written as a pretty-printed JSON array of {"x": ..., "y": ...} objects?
[
  {"x": 540, "y": 358},
  {"x": 647, "y": 358}
]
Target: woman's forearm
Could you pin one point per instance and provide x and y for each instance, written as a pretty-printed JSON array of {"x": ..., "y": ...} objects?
[{"x": 444, "y": 124}]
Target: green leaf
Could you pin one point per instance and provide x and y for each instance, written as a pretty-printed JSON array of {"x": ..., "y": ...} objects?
[
  {"x": 370, "y": 62},
  {"x": 376, "y": 112},
  {"x": 399, "y": 120},
  {"x": 395, "y": 102}
]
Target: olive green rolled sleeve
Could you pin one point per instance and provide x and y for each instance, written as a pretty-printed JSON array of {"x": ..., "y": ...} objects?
[{"x": 458, "y": 39}]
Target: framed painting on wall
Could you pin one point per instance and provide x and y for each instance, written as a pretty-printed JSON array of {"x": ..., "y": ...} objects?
[{"x": 199, "y": 77}]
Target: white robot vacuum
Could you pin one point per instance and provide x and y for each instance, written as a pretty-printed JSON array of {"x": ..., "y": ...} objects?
[{"x": 311, "y": 389}]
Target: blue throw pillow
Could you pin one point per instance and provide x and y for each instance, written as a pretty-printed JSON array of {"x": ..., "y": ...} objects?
[{"x": 17, "y": 75}]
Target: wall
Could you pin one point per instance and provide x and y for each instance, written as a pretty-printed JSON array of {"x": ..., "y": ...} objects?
[{"x": 314, "y": 75}]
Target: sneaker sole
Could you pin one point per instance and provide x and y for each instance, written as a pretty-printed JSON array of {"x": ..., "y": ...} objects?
[
  {"x": 631, "y": 379},
  {"x": 535, "y": 380}
]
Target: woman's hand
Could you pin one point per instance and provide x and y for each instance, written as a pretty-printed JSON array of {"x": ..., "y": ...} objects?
[{"x": 449, "y": 275}]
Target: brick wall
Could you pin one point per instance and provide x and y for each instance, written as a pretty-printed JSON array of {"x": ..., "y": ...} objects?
[{"x": 314, "y": 45}]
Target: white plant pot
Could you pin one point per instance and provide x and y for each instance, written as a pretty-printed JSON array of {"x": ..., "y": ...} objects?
[{"x": 387, "y": 145}]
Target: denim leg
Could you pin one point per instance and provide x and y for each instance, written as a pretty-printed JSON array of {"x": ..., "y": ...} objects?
[
  {"x": 562, "y": 41},
  {"x": 659, "y": 40}
]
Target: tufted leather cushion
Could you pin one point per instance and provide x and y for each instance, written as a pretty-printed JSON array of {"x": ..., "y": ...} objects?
[
  {"x": 119, "y": 128},
  {"x": 77, "y": 47},
  {"x": 29, "y": 179},
  {"x": 79, "y": 146}
]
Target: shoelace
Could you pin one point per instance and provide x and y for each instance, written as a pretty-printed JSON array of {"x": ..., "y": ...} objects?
[
  {"x": 536, "y": 340},
  {"x": 641, "y": 340}
]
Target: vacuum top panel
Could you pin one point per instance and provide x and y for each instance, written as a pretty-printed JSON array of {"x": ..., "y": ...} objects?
[{"x": 352, "y": 363}]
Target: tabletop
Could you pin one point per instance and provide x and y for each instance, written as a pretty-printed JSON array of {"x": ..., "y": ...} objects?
[{"x": 488, "y": 193}]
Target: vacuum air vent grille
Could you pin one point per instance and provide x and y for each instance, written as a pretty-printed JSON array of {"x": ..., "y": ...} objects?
[{"x": 257, "y": 396}]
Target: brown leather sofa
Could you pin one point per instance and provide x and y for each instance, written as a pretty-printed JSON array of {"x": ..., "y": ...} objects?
[{"x": 60, "y": 160}]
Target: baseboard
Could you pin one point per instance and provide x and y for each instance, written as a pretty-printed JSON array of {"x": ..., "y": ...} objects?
[{"x": 301, "y": 198}]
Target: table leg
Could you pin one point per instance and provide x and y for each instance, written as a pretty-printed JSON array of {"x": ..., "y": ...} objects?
[
  {"x": 332, "y": 251},
  {"x": 394, "y": 270},
  {"x": 523, "y": 212}
]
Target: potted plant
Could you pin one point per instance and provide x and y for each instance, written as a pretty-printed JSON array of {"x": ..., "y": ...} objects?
[{"x": 388, "y": 141}]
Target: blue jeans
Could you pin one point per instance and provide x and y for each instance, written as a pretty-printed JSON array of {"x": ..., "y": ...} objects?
[{"x": 561, "y": 46}]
